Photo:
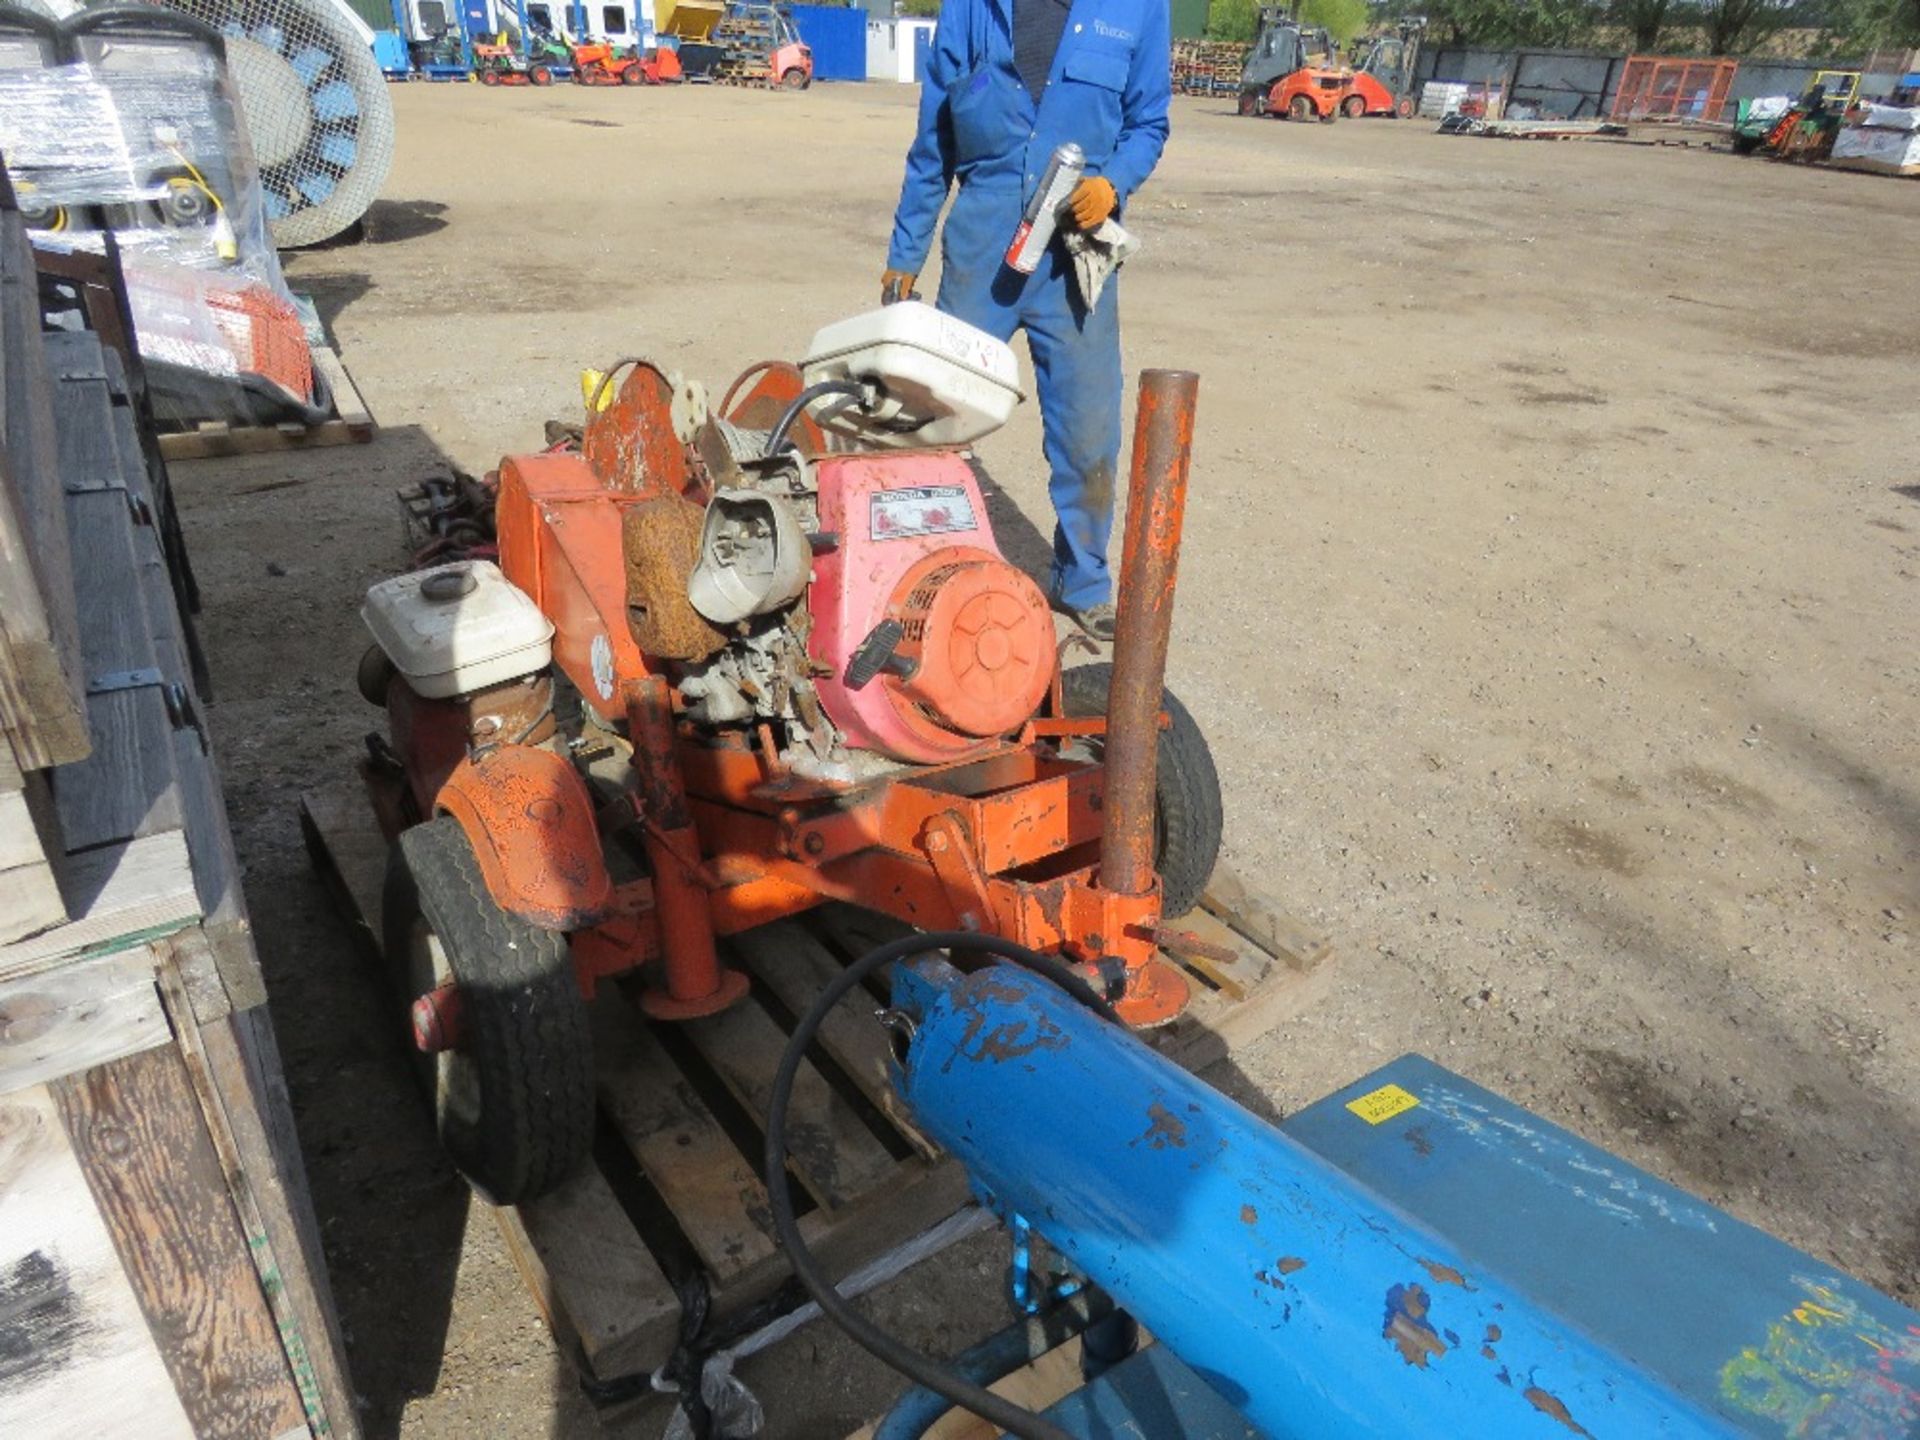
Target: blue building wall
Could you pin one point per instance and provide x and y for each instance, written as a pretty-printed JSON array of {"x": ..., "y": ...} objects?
[{"x": 837, "y": 35}]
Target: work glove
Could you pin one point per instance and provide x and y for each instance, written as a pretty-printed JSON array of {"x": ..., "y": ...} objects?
[
  {"x": 896, "y": 285},
  {"x": 1092, "y": 201}
]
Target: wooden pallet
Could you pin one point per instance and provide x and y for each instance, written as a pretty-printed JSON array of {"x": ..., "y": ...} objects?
[
  {"x": 352, "y": 423},
  {"x": 675, "y": 1189}
]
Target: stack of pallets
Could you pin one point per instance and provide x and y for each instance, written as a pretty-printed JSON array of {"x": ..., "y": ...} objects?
[
  {"x": 748, "y": 41},
  {"x": 1207, "y": 67}
]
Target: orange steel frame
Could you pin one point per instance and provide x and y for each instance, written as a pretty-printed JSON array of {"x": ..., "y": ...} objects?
[
  {"x": 1005, "y": 842},
  {"x": 1662, "y": 87}
]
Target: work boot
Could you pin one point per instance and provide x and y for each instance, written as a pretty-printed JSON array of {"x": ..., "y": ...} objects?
[{"x": 1095, "y": 620}]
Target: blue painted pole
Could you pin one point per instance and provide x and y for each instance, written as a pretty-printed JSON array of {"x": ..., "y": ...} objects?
[{"x": 1313, "y": 1307}]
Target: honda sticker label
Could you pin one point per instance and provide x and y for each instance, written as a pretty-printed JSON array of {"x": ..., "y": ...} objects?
[{"x": 922, "y": 510}]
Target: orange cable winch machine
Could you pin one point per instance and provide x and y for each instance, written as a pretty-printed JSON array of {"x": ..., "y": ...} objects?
[{"x": 736, "y": 660}]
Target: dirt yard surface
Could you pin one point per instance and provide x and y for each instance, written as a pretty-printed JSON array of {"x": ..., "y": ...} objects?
[{"x": 1552, "y": 529}]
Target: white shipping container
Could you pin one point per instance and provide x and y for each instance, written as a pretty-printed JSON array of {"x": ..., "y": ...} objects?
[{"x": 893, "y": 45}]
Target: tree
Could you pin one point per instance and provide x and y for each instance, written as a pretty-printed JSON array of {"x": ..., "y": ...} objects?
[
  {"x": 1644, "y": 20},
  {"x": 1342, "y": 19},
  {"x": 1502, "y": 23},
  {"x": 1235, "y": 20},
  {"x": 1734, "y": 27},
  {"x": 1862, "y": 25}
]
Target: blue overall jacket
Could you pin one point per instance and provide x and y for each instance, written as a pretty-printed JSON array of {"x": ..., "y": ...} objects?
[{"x": 1107, "y": 92}]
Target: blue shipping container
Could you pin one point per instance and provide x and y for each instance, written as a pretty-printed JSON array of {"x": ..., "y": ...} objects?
[{"x": 837, "y": 35}]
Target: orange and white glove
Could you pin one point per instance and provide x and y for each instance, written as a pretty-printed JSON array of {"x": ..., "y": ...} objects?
[
  {"x": 1092, "y": 201},
  {"x": 896, "y": 285}
]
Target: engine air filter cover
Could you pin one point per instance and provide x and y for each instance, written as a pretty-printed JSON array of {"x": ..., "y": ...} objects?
[{"x": 979, "y": 642}]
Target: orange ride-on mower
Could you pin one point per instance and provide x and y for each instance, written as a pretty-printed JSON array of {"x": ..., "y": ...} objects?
[
  {"x": 601, "y": 63},
  {"x": 738, "y": 660},
  {"x": 503, "y": 65}
]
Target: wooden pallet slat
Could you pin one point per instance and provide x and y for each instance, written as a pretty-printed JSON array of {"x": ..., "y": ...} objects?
[
  {"x": 797, "y": 968},
  {"x": 70, "y": 1300},
  {"x": 351, "y": 423},
  {"x": 592, "y": 1275},
  {"x": 78, "y": 1016},
  {"x": 716, "y": 1195},
  {"x": 119, "y": 896},
  {"x": 833, "y": 1153},
  {"x": 136, "y": 1127}
]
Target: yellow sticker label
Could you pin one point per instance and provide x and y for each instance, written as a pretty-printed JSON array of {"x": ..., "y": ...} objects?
[{"x": 1383, "y": 1104}]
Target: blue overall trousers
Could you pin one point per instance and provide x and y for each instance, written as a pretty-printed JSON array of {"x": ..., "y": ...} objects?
[{"x": 980, "y": 127}]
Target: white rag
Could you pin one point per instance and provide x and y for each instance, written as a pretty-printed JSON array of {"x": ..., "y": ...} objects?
[{"x": 1096, "y": 254}]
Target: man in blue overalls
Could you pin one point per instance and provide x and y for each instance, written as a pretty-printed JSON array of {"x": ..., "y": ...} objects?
[{"x": 1008, "y": 81}]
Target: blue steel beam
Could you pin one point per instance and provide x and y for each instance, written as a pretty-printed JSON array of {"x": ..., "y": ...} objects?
[{"x": 1314, "y": 1305}]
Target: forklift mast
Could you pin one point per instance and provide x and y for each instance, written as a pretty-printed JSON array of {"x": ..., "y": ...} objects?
[
  {"x": 1392, "y": 58},
  {"x": 1281, "y": 46}
]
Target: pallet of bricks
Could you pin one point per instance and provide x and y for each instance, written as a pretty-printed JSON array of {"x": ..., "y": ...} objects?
[
  {"x": 748, "y": 39},
  {"x": 1207, "y": 67},
  {"x": 160, "y": 1271}
]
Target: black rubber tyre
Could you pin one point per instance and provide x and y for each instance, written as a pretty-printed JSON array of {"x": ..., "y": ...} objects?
[
  {"x": 795, "y": 79},
  {"x": 1253, "y": 102},
  {"x": 1186, "y": 789},
  {"x": 1354, "y": 107},
  {"x": 1300, "y": 108},
  {"x": 514, "y": 1105},
  {"x": 539, "y": 75}
]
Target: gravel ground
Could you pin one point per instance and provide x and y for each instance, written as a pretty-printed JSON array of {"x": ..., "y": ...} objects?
[{"x": 1551, "y": 532}]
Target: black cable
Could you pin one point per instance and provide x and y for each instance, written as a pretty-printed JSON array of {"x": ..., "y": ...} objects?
[
  {"x": 813, "y": 392},
  {"x": 1016, "y": 1420}
]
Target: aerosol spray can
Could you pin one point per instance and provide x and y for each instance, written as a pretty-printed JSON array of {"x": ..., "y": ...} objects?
[{"x": 1030, "y": 241}]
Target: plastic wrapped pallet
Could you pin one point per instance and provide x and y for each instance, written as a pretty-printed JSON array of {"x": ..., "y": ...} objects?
[
  {"x": 1440, "y": 98},
  {"x": 1890, "y": 117},
  {"x": 1881, "y": 151},
  {"x": 137, "y": 131}
]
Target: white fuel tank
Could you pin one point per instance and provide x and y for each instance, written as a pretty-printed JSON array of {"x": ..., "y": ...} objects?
[
  {"x": 458, "y": 628},
  {"x": 942, "y": 381}
]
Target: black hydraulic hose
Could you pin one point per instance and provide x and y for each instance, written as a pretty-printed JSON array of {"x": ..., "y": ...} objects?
[
  {"x": 1016, "y": 1420},
  {"x": 816, "y": 391}
]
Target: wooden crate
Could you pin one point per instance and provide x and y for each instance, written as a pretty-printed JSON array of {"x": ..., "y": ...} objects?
[
  {"x": 160, "y": 1267},
  {"x": 674, "y": 1199},
  {"x": 42, "y": 695}
]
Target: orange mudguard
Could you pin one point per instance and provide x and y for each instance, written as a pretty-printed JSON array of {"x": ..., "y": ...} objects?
[{"x": 528, "y": 815}]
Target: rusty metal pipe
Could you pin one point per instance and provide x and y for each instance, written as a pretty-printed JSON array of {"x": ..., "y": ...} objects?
[
  {"x": 695, "y": 983},
  {"x": 1149, "y": 558}
]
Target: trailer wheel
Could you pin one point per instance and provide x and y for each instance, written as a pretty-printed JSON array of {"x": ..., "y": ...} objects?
[
  {"x": 513, "y": 1098},
  {"x": 1300, "y": 108},
  {"x": 1355, "y": 106},
  {"x": 1186, "y": 789},
  {"x": 539, "y": 75}
]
